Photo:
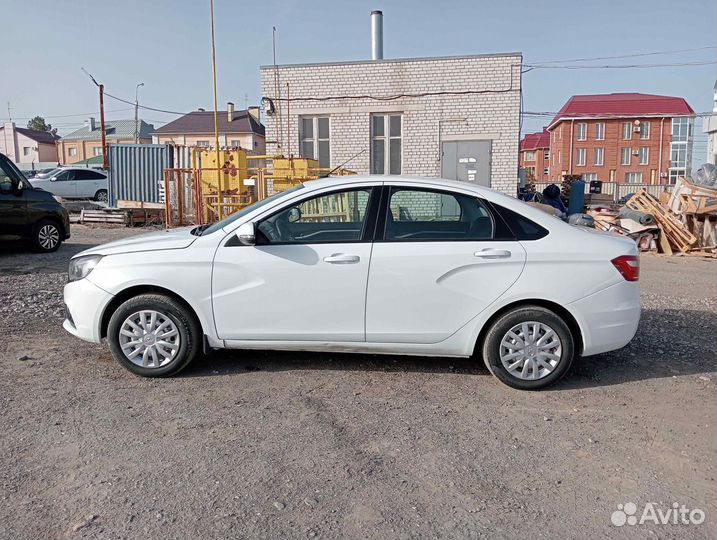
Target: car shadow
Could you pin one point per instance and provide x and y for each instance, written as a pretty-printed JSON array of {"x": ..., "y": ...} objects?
[
  {"x": 668, "y": 343},
  {"x": 20, "y": 257}
]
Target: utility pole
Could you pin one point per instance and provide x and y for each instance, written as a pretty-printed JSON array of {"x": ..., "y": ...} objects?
[
  {"x": 216, "y": 116},
  {"x": 102, "y": 118},
  {"x": 136, "y": 112}
]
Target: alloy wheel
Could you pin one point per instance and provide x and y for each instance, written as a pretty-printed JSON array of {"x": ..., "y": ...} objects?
[
  {"x": 530, "y": 350},
  {"x": 48, "y": 237},
  {"x": 149, "y": 339}
]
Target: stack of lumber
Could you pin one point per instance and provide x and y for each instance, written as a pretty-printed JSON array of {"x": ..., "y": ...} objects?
[
  {"x": 674, "y": 234},
  {"x": 127, "y": 214},
  {"x": 696, "y": 207}
]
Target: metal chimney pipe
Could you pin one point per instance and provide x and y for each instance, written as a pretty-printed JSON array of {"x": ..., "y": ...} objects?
[{"x": 377, "y": 35}]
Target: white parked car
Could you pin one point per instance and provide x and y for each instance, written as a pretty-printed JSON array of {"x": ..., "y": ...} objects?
[
  {"x": 74, "y": 183},
  {"x": 380, "y": 264}
]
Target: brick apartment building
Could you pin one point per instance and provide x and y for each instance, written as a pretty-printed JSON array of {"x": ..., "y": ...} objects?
[
  {"x": 535, "y": 156},
  {"x": 452, "y": 117},
  {"x": 623, "y": 138}
]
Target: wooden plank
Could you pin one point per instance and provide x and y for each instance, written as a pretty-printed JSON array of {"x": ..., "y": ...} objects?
[
  {"x": 124, "y": 204},
  {"x": 677, "y": 234}
]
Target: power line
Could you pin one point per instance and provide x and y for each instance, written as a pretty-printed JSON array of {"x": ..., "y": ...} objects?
[
  {"x": 619, "y": 66},
  {"x": 635, "y": 55}
]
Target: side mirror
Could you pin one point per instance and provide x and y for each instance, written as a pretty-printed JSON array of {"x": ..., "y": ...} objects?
[{"x": 246, "y": 234}]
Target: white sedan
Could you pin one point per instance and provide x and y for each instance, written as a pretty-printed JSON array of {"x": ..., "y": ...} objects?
[{"x": 378, "y": 264}]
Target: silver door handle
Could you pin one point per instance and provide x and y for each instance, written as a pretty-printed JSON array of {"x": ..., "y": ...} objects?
[
  {"x": 341, "y": 258},
  {"x": 490, "y": 253}
]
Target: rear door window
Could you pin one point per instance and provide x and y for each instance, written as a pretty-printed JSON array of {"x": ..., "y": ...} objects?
[{"x": 428, "y": 215}]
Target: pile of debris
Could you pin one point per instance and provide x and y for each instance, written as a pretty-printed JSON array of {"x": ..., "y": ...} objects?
[{"x": 682, "y": 221}]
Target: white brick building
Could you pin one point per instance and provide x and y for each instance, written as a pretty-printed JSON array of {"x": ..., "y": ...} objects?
[{"x": 468, "y": 106}]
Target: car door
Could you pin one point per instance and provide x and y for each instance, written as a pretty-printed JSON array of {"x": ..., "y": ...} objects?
[
  {"x": 305, "y": 279},
  {"x": 442, "y": 257},
  {"x": 13, "y": 204},
  {"x": 63, "y": 184},
  {"x": 89, "y": 182}
]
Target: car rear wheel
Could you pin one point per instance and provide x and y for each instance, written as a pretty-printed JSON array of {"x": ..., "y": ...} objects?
[
  {"x": 528, "y": 348},
  {"x": 153, "y": 335},
  {"x": 47, "y": 237},
  {"x": 101, "y": 196}
]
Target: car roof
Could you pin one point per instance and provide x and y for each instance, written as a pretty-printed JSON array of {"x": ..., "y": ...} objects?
[{"x": 419, "y": 180}]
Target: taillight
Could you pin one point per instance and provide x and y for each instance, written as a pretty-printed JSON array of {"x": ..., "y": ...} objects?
[{"x": 628, "y": 266}]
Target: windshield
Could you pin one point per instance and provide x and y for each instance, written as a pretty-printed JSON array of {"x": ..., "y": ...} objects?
[
  {"x": 49, "y": 173},
  {"x": 244, "y": 211}
]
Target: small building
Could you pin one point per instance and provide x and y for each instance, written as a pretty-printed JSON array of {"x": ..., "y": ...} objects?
[
  {"x": 86, "y": 142},
  {"x": 237, "y": 129},
  {"x": 535, "y": 156},
  {"x": 28, "y": 146},
  {"x": 709, "y": 126},
  {"x": 454, "y": 117},
  {"x": 625, "y": 138}
]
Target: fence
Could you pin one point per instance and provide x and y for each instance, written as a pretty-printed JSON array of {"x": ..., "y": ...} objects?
[
  {"x": 136, "y": 171},
  {"x": 618, "y": 191}
]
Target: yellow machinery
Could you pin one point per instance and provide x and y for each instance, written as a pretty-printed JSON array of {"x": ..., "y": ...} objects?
[{"x": 236, "y": 180}]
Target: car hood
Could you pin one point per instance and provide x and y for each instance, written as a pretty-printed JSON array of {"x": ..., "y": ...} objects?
[{"x": 174, "y": 239}]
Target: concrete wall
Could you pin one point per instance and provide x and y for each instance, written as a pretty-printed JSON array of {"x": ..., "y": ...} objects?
[{"x": 480, "y": 101}]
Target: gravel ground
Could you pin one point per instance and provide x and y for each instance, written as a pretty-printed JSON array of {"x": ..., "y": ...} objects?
[{"x": 305, "y": 445}]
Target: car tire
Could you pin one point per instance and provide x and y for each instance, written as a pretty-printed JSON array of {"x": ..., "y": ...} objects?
[
  {"x": 172, "y": 353},
  {"x": 523, "y": 364},
  {"x": 101, "y": 196},
  {"x": 47, "y": 236}
]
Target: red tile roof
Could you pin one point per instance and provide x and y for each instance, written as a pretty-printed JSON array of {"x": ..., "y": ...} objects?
[
  {"x": 533, "y": 141},
  {"x": 622, "y": 106}
]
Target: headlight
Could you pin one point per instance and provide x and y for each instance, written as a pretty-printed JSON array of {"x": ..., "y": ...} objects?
[{"x": 82, "y": 266}]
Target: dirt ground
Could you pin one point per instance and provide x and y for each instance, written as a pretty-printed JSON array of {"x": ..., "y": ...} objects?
[{"x": 287, "y": 445}]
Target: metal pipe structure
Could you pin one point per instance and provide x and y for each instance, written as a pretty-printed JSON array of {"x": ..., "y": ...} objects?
[
  {"x": 136, "y": 112},
  {"x": 377, "y": 35}
]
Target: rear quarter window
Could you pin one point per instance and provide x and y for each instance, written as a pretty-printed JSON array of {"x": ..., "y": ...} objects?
[{"x": 521, "y": 227}]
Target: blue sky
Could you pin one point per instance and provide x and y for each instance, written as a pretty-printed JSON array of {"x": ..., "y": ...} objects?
[{"x": 165, "y": 44}]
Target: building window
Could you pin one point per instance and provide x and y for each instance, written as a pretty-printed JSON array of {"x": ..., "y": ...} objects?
[
  {"x": 582, "y": 131},
  {"x": 530, "y": 172},
  {"x": 97, "y": 151},
  {"x": 546, "y": 155},
  {"x": 561, "y": 132},
  {"x": 26, "y": 150},
  {"x": 580, "y": 157},
  {"x": 559, "y": 157},
  {"x": 314, "y": 137},
  {"x": 675, "y": 174},
  {"x": 645, "y": 130},
  {"x": 546, "y": 171},
  {"x": 71, "y": 151},
  {"x": 590, "y": 177},
  {"x": 203, "y": 144},
  {"x": 633, "y": 178},
  {"x": 530, "y": 156},
  {"x": 600, "y": 131},
  {"x": 681, "y": 129},
  {"x": 644, "y": 155},
  {"x": 626, "y": 131},
  {"x": 235, "y": 143},
  {"x": 386, "y": 144},
  {"x": 625, "y": 156},
  {"x": 599, "y": 156},
  {"x": 678, "y": 155}
]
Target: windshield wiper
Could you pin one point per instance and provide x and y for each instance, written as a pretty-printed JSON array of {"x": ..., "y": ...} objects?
[{"x": 198, "y": 230}]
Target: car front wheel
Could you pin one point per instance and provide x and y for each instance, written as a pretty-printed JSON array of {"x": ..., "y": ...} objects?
[
  {"x": 153, "y": 335},
  {"x": 47, "y": 237},
  {"x": 528, "y": 348},
  {"x": 101, "y": 196}
]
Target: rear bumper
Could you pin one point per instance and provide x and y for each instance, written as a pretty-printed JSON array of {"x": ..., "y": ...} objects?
[
  {"x": 85, "y": 302},
  {"x": 609, "y": 318}
]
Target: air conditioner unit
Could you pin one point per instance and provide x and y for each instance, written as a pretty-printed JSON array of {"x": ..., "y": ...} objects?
[
  {"x": 636, "y": 129},
  {"x": 635, "y": 152}
]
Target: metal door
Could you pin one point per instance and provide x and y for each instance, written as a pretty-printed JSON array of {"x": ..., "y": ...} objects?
[{"x": 467, "y": 161}]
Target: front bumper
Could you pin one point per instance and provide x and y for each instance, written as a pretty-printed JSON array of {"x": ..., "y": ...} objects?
[
  {"x": 85, "y": 302},
  {"x": 609, "y": 318}
]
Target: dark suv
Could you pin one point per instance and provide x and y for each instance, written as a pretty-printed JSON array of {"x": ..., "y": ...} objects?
[{"x": 29, "y": 212}]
